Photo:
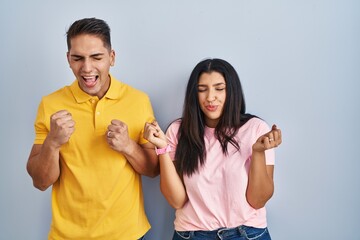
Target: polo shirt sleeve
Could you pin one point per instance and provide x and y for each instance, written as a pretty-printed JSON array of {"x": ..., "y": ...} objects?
[
  {"x": 148, "y": 115},
  {"x": 41, "y": 130}
]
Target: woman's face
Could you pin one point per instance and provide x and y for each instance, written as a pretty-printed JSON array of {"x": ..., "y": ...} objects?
[{"x": 212, "y": 95}]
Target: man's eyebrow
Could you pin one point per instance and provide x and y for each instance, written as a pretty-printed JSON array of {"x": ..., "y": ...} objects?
[
  {"x": 96, "y": 54},
  {"x": 92, "y": 55},
  {"x": 76, "y": 56}
]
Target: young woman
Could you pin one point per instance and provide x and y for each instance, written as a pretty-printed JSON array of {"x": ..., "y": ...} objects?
[{"x": 216, "y": 162}]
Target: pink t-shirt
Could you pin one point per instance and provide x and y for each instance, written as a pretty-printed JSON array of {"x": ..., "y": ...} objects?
[{"x": 217, "y": 194}]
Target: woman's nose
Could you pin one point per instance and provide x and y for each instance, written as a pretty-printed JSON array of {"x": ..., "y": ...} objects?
[{"x": 211, "y": 96}]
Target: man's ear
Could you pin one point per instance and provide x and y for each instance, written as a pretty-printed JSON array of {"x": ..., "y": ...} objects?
[
  {"x": 112, "y": 58},
  {"x": 68, "y": 57}
]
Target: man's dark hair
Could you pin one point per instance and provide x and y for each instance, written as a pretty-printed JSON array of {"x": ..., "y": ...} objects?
[{"x": 90, "y": 26}]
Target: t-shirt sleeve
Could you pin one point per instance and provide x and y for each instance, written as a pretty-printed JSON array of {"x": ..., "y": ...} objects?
[
  {"x": 172, "y": 137},
  {"x": 264, "y": 128}
]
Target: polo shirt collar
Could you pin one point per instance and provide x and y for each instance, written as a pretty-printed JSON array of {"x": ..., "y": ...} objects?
[
  {"x": 81, "y": 96},
  {"x": 114, "y": 89}
]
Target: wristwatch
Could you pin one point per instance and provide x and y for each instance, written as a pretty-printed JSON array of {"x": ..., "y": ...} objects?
[{"x": 162, "y": 150}]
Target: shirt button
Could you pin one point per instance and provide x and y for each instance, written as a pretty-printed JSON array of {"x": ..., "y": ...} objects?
[{"x": 98, "y": 113}]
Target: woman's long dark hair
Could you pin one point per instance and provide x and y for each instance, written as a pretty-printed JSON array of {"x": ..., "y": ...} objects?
[{"x": 190, "y": 151}]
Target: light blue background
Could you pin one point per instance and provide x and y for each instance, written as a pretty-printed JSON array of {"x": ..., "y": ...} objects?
[{"x": 299, "y": 62}]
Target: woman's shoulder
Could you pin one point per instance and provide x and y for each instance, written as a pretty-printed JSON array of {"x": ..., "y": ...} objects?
[
  {"x": 174, "y": 126},
  {"x": 255, "y": 125},
  {"x": 256, "y": 121},
  {"x": 175, "y": 123}
]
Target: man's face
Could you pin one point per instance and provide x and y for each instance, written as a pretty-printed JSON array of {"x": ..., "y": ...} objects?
[{"x": 90, "y": 62}]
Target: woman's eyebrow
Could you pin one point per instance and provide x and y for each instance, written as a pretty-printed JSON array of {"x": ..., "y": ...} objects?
[{"x": 215, "y": 84}]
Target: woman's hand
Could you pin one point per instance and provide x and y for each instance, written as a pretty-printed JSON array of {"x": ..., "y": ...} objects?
[
  {"x": 154, "y": 134},
  {"x": 269, "y": 140},
  {"x": 171, "y": 184}
]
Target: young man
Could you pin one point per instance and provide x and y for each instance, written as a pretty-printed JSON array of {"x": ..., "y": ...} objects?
[{"x": 89, "y": 145}]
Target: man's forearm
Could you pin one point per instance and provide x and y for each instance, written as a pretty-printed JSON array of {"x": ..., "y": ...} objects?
[
  {"x": 43, "y": 165},
  {"x": 143, "y": 159}
]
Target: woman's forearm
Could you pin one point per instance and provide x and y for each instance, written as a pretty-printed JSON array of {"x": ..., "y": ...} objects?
[
  {"x": 260, "y": 184},
  {"x": 171, "y": 184}
]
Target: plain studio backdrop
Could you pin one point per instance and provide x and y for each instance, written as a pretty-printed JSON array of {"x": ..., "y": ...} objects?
[{"x": 299, "y": 63}]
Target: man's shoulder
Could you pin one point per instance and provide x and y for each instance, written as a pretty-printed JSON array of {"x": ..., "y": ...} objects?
[
  {"x": 58, "y": 94},
  {"x": 129, "y": 90}
]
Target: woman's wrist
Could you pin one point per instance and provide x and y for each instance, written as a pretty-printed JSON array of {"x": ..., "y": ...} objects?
[{"x": 163, "y": 150}]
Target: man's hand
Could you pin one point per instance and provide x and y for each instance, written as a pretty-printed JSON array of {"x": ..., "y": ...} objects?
[
  {"x": 117, "y": 136},
  {"x": 62, "y": 126}
]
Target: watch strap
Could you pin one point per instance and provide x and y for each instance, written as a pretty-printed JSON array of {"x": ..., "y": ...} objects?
[{"x": 162, "y": 150}]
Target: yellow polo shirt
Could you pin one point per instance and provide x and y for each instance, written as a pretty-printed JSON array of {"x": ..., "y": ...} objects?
[{"x": 98, "y": 194}]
